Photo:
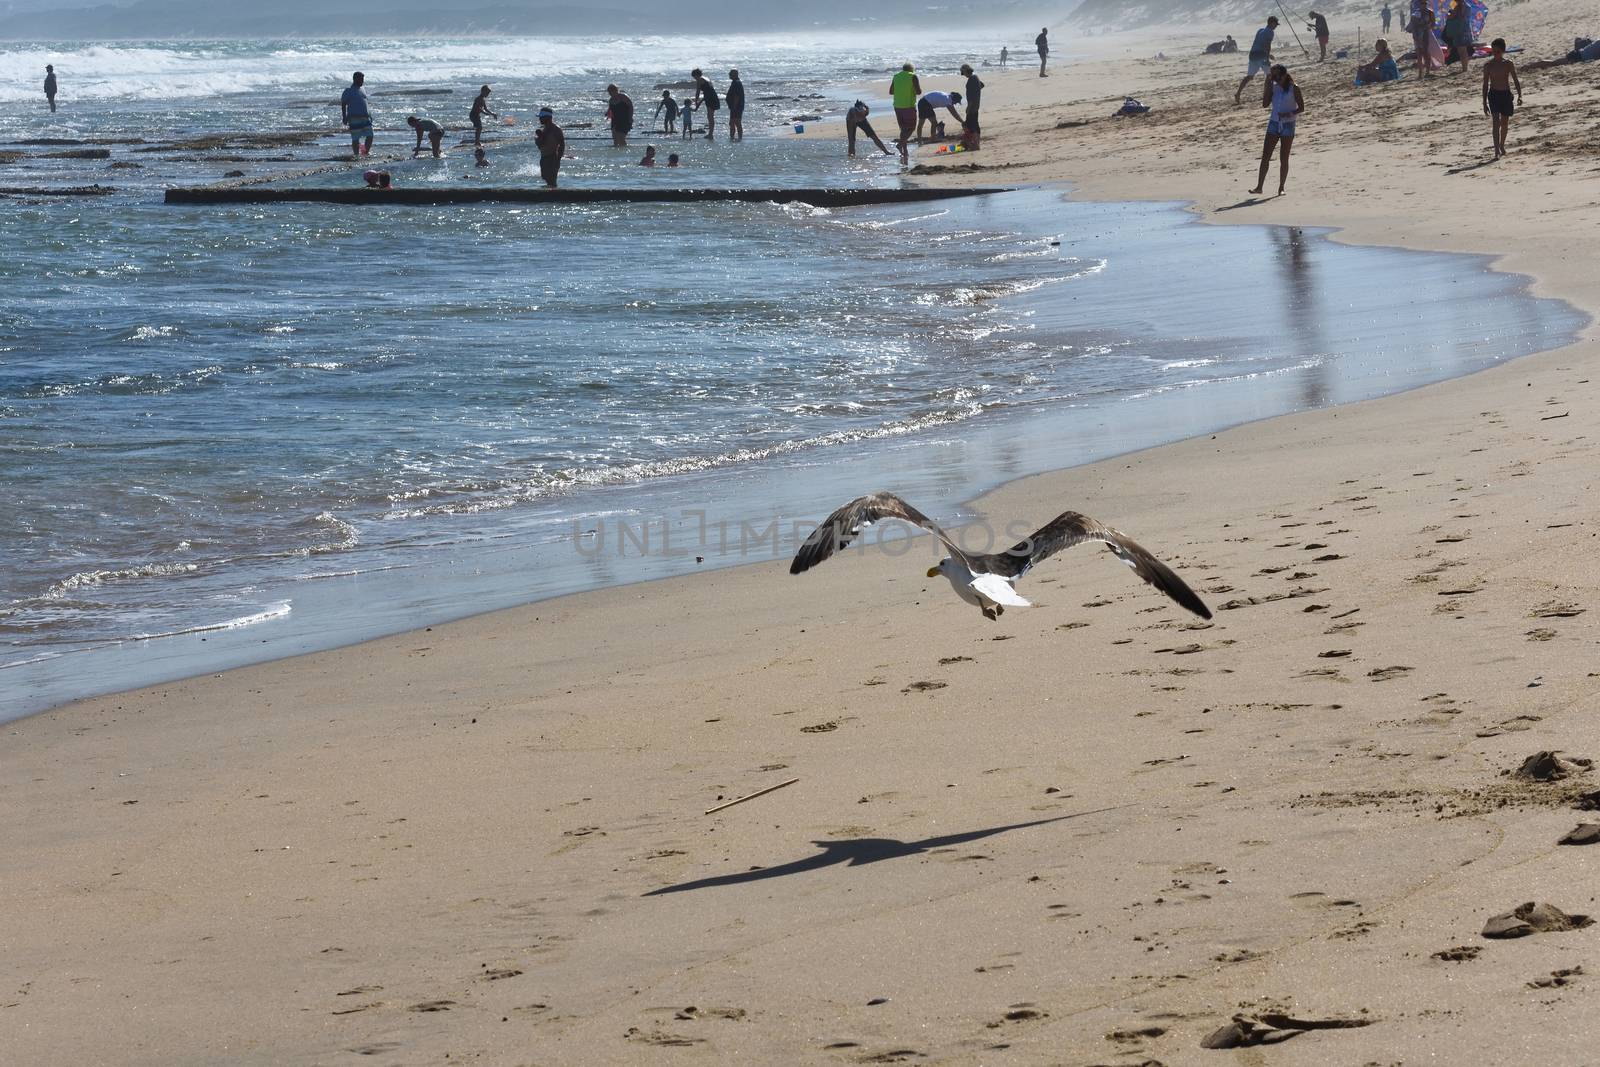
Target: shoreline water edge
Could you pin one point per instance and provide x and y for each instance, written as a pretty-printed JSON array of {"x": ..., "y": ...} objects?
[{"x": 665, "y": 526}]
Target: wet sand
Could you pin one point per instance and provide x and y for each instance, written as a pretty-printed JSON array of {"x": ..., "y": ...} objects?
[{"x": 1092, "y": 832}]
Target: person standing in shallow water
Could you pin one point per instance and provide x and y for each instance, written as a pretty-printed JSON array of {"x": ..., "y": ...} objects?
[
  {"x": 1283, "y": 96},
  {"x": 1386, "y": 14},
  {"x": 1042, "y": 43},
  {"x": 50, "y": 85},
  {"x": 734, "y": 95},
  {"x": 354, "y": 114},
  {"x": 480, "y": 108},
  {"x": 905, "y": 89},
  {"x": 552, "y": 142},
  {"x": 705, "y": 94},
  {"x": 621, "y": 113}
]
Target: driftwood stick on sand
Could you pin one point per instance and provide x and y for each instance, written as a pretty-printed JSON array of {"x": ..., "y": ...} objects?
[{"x": 752, "y": 796}]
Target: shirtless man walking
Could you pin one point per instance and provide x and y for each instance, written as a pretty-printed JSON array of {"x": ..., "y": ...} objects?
[{"x": 1499, "y": 75}]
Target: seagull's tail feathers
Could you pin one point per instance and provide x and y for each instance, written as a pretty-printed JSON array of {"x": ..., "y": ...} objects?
[{"x": 998, "y": 590}]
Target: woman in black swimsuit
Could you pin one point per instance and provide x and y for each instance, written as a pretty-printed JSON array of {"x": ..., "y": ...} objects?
[{"x": 706, "y": 92}]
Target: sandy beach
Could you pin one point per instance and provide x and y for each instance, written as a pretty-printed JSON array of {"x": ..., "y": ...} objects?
[{"x": 1090, "y": 833}]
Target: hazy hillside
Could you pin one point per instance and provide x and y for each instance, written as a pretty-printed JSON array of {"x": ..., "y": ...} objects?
[
  {"x": 1129, "y": 14},
  {"x": 310, "y": 18}
]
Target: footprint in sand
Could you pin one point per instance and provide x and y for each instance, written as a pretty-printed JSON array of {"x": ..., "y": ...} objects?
[
  {"x": 947, "y": 660},
  {"x": 1585, "y": 833},
  {"x": 820, "y": 728},
  {"x": 1556, "y": 979},
  {"x": 1383, "y": 674},
  {"x": 924, "y": 687},
  {"x": 433, "y": 1005},
  {"x": 1459, "y": 954}
]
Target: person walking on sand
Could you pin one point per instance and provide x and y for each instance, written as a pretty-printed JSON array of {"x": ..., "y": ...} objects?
[
  {"x": 50, "y": 86},
  {"x": 1499, "y": 75},
  {"x": 552, "y": 143},
  {"x": 1283, "y": 96},
  {"x": 480, "y": 108},
  {"x": 855, "y": 121},
  {"x": 353, "y": 112},
  {"x": 666, "y": 103},
  {"x": 1042, "y": 43},
  {"x": 706, "y": 94},
  {"x": 621, "y": 115},
  {"x": 1260, "y": 56},
  {"x": 1319, "y": 27},
  {"x": 905, "y": 88},
  {"x": 432, "y": 130},
  {"x": 734, "y": 96},
  {"x": 1458, "y": 33}
]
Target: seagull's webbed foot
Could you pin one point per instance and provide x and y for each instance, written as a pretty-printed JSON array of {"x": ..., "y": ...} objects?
[{"x": 989, "y": 613}]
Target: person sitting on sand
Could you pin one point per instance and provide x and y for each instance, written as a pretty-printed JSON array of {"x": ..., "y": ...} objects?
[
  {"x": 434, "y": 132},
  {"x": 1383, "y": 68},
  {"x": 649, "y": 159},
  {"x": 480, "y": 108},
  {"x": 1583, "y": 51},
  {"x": 480, "y": 158},
  {"x": 670, "y": 106},
  {"x": 377, "y": 179},
  {"x": 928, "y": 112},
  {"x": 1260, "y": 55},
  {"x": 1499, "y": 75},
  {"x": 672, "y": 160},
  {"x": 855, "y": 121},
  {"x": 1283, "y": 96}
]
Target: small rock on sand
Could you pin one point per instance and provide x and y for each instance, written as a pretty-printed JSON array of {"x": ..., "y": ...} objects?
[{"x": 1532, "y": 918}]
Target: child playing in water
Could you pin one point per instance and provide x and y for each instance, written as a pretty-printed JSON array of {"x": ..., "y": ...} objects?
[
  {"x": 670, "y": 106},
  {"x": 686, "y": 113},
  {"x": 377, "y": 179},
  {"x": 672, "y": 160},
  {"x": 649, "y": 159},
  {"x": 481, "y": 157},
  {"x": 1499, "y": 75}
]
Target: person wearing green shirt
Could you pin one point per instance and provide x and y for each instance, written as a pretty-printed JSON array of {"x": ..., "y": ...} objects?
[{"x": 906, "y": 90}]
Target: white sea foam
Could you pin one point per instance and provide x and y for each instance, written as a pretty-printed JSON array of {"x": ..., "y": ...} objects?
[
  {"x": 275, "y": 611},
  {"x": 190, "y": 71}
]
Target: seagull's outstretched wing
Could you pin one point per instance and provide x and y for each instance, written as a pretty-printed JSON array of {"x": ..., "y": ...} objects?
[
  {"x": 1070, "y": 528},
  {"x": 842, "y": 527}
]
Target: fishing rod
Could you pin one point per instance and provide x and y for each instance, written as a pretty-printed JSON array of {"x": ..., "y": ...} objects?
[{"x": 1293, "y": 30}]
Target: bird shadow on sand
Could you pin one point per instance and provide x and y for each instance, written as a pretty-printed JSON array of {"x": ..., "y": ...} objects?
[
  {"x": 859, "y": 851},
  {"x": 1251, "y": 202}
]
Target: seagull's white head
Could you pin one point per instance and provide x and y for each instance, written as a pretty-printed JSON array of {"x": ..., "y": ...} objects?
[{"x": 942, "y": 568}]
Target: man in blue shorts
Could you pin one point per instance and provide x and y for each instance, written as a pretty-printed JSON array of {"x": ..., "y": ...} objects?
[
  {"x": 1260, "y": 55},
  {"x": 354, "y": 114}
]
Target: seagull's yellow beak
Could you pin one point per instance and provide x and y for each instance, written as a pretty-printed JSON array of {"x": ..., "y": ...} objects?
[{"x": 933, "y": 572}]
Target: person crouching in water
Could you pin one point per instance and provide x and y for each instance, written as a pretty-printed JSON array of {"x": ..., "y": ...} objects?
[
  {"x": 552, "y": 142},
  {"x": 377, "y": 179},
  {"x": 855, "y": 121},
  {"x": 1283, "y": 96},
  {"x": 434, "y": 131}
]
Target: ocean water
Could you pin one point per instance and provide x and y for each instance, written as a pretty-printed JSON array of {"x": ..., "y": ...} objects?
[{"x": 233, "y": 433}]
